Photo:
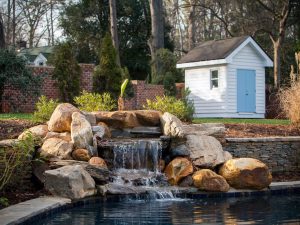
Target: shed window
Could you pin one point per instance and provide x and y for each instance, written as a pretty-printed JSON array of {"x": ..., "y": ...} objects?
[{"x": 214, "y": 79}]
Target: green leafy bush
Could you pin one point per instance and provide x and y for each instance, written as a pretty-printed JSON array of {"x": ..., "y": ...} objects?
[
  {"x": 15, "y": 159},
  {"x": 44, "y": 109},
  {"x": 170, "y": 104},
  {"x": 4, "y": 202},
  {"x": 95, "y": 102}
]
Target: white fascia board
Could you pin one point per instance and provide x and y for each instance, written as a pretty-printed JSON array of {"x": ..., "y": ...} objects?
[
  {"x": 201, "y": 63},
  {"x": 268, "y": 61}
]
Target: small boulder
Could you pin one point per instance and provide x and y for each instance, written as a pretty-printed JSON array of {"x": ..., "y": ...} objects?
[
  {"x": 61, "y": 118},
  {"x": 97, "y": 161},
  {"x": 107, "y": 133},
  {"x": 177, "y": 169},
  {"x": 37, "y": 131},
  {"x": 246, "y": 173},
  {"x": 171, "y": 125},
  {"x": 206, "y": 151},
  {"x": 70, "y": 181},
  {"x": 66, "y": 136},
  {"x": 56, "y": 148},
  {"x": 186, "y": 182},
  {"x": 81, "y": 131},
  {"x": 99, "y": 131},
  {"x": 81, "y": 155},
  {"x": 208, "y": 180}
]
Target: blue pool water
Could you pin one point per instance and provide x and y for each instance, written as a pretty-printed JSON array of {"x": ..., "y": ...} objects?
[{"x": 247, "y": 210}]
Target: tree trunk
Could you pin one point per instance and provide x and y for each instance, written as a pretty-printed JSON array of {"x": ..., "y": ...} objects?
[
  {"x": 51, "y": 23},
  {"x": 276, "y": 46},
  {"x": 157, "y": 32},
  {"x": 191, "y": 28},
  {"x": 114, "y": 28},
  {"x": 2, "y": 38},
  {"x": 8, "y": 22},
  {"x": 14, "y": 23}
]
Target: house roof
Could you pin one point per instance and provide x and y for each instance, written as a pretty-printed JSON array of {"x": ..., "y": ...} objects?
[
  {"x": 219, "y": 52},
  {"x": 32, "y": 53}
]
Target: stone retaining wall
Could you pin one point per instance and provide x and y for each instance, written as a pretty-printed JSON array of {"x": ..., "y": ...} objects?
[{"x": 281, "y": 154}]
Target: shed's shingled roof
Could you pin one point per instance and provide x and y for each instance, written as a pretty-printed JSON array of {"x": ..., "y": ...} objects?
[{"x": 212, "y": 50}]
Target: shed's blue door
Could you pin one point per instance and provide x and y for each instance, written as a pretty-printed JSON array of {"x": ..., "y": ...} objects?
[{"x": 246, "y": 90}]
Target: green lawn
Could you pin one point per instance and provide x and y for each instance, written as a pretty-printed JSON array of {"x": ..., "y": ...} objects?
[
  {"x": 23, "y": 116},
  {"x": 249, "y": 121}
]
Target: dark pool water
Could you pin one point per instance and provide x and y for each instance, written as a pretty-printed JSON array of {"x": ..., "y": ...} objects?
[{"x": 250, "y": 210}]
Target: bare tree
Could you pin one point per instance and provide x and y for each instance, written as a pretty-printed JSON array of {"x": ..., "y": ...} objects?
[
  {"x": 14, "y": 22},
  {"x": 278, "y": 15},
  {"x": 34, "y": 12},
  {"x": 2, "y": 38},
  {"x": 157, "y": 31},
  {"x": 191, "y": 28},
  {"x": 114, "y": 28}
]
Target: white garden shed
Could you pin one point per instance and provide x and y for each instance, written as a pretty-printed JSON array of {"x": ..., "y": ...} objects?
[{"x": 227, "y": 78}]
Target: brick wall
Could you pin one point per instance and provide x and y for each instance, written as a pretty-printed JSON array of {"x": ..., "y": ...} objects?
[
  {"x": 142, "y": 92},
  {"x": 281, "y": 154},
  {"x": 14, "y": 101}
]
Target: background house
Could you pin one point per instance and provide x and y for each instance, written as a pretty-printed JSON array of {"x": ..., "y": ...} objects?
[
  {"x": 37, "y": 56},
  {"x": 227, "y": 78}
]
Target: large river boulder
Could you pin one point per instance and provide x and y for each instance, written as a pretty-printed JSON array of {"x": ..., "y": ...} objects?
[
  {"x": 246, "y": 173},
  {"x": 81, "y": 131},
  {"x": 56, "y": 148},
  {"x": 177, "y": 169},
  {"x": 171, "y": 125},
  {"x": 70, "y": 181},
  {"x": 206, "y": 151},
  {"x": 61, "y": 118},
  {"x": 208, "y": 180},
  {"x": 129, "y": 119}
]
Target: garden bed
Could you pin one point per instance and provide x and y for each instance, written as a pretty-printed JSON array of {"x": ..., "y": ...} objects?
[{"x": 11, "y": 128}]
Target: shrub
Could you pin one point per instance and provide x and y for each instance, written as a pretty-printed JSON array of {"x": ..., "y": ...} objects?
[
  {"x": 16, "y": 159},
  {"x": 172, "y": 105},
  {"x": 95, "y": 102},
  {"x": 44, "y": 109},
  {"x": 290, "y": 102}
]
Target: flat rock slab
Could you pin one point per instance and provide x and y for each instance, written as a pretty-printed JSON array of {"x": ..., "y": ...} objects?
[
  {"x": 18, "y": 213},
  {"x": 146, "y": 131}
]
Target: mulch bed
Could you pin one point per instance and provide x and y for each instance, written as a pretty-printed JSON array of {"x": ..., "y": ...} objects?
[
  {"x": 10, "y": 129},
  {"x": 16, "y": 196},
  {"x": 260, "y": 130}
]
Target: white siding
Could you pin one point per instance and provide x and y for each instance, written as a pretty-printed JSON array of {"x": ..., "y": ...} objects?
[
  {"x": 206, "y": 100},
  {"x": 222, "y": 102},
  {"x": 247, "y": 58}
]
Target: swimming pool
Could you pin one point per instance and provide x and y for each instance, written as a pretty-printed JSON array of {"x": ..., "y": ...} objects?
[{"x": 246, "y": 210}]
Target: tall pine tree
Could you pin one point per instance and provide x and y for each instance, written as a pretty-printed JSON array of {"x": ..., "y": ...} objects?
[{"x": 107, "y": 76}]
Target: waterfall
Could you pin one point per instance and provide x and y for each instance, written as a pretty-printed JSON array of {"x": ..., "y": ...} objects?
[
  {"x": 136, "y": 164},
  {"x": 139, "y": 155}
]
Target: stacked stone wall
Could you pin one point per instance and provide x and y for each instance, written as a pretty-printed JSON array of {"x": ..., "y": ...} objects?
[{"x": 281, "y": 154}]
